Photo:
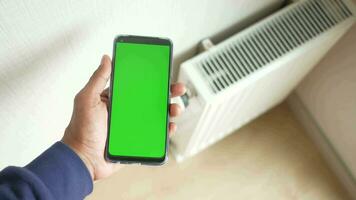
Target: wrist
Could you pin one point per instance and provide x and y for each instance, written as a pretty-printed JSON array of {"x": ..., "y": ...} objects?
[{"x": 89, "y": 165}]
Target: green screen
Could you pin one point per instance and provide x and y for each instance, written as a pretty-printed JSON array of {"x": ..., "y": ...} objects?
[{"x": 138, "y": 120}]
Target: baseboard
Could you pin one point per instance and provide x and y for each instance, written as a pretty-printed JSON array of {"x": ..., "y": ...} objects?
[{"x": 320, "y": 139}]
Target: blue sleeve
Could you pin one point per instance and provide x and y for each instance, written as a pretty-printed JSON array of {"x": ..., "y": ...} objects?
[{"x": 58, "y": 173}]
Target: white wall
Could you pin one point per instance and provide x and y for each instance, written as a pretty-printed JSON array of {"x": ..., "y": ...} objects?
[{"x": 48, "y": 49}]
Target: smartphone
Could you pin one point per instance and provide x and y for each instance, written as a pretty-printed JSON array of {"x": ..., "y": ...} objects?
[{"x": 139, "y": 100}]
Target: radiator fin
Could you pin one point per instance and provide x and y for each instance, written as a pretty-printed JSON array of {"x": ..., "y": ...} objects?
[{"x": 270, "y": 41}]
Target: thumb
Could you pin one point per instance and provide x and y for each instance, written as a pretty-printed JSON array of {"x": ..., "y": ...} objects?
[{"x": 101, "y": 76}]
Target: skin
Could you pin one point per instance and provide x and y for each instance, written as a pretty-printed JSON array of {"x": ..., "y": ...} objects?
[{"x": 87, "y": 131}]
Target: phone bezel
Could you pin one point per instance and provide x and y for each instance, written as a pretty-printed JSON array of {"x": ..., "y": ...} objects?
[{"x": 134, "y": 159}]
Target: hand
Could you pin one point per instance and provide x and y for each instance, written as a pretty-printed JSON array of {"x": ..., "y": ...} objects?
[{"x": 87, "y": 131}]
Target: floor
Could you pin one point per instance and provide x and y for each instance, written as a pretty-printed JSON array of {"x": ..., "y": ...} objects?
[{"x": 270, "y": 158}]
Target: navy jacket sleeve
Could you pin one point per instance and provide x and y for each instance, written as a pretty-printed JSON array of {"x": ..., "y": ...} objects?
[{"x": 58, "y": 173}]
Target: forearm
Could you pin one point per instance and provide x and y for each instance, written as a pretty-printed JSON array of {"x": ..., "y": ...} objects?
[{"x": 58, "y": 173}]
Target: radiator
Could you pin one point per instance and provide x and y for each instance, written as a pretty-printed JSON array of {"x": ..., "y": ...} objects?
[{"x": 237, "y": 80}]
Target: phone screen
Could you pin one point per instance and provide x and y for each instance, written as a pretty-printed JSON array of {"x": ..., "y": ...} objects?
[{"x": 139, "y": 100}]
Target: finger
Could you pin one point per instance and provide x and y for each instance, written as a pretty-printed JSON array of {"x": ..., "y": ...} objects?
[
  {"x": 101, "y": 76},
  {"x": 116, "y": 167},
  {"x": 177, "y": 89},
  {"x": 174, "y": 110},
  {"x": 112, "y": 168},
  {"x": 104, "y": 96},
  {"x": 172, "y": 129},
  {"x": 105, "y": 93}
]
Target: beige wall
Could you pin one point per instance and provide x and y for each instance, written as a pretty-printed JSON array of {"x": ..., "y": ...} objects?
[{"x": 328, "y": 94}]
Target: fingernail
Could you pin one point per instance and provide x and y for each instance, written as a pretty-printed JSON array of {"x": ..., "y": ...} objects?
[
  {"x": 179, "y": 110},
  {"x": 102, "y": 60}
]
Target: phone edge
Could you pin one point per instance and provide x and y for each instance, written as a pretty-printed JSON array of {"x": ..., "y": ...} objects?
[{"x": 106, "y": 156}]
